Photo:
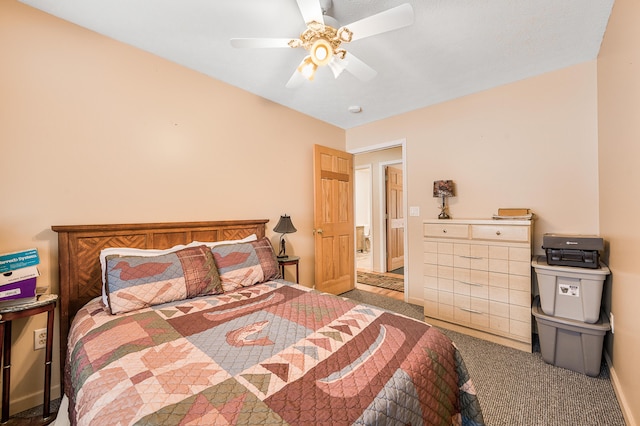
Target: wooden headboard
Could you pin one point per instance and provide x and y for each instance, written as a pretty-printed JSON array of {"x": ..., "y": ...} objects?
[{"x": 79, "y": 249}]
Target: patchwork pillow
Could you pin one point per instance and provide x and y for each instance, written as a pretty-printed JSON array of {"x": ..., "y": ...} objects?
[
  {"x": 136, "y": 282},
  {"x": 129, "y": 251},
  {"x": 245, "y": 264}
]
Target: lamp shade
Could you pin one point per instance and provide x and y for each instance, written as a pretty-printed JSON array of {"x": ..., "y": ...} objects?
[
  {"x": 443, "y": 188},
  {"x": 285, "y": 226}
]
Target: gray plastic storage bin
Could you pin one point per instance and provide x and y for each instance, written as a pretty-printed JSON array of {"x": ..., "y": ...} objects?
[
  {"x": 570, "y": 292},
  {"x": 571, "y": 344}
]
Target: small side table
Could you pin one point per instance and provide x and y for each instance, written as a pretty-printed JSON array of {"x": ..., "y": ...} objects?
[
  {"x": 44, "y": 303},
  {"x": 289, "y": 260}
]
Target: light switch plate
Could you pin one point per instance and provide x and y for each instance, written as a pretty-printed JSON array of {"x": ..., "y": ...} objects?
[{"x": 414, "y": 211}]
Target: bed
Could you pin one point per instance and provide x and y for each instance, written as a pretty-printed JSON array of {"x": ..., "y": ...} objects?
[{"x": 214, "y": 336}]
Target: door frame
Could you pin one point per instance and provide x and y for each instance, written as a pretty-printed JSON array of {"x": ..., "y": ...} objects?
[{"x": 378, "y": 147}]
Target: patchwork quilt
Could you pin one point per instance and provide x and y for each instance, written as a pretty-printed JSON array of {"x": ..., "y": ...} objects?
[{"x": 270, "y": 354}]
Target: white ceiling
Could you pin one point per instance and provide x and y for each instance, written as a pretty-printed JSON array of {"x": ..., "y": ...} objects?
[{"x": 453, "y": 48}]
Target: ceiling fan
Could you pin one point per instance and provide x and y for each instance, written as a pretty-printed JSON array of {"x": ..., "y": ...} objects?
[{"x": 323, "y": 39}]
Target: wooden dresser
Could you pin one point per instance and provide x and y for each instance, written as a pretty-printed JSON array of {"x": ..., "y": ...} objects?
[{"x": 477, "y": 278}]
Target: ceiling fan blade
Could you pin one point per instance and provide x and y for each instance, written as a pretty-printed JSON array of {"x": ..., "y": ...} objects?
[
  {"x": 310, "y": 10},
  {"x": 391, "y": 19},
  {"x": 260, "y": 42},
  {"x": 336, "y": 65},
  {"x": 296, "y": 80},
  {"x": 358, "y": 68}
]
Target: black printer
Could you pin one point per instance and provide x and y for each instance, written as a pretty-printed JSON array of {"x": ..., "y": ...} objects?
[{"x": 573, "y": 250}]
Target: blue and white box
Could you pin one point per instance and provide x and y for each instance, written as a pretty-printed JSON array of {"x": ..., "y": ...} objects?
[{"x": 18, "y": 260}]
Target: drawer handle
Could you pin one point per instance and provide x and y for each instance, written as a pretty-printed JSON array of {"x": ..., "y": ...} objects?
[
  {"x": 473, "y": 311},
  {"x": 444, "y": 230},
  {"x": 498, "y": 232},
  {"x": 472, "y": 257},
  {"x": 471, "y": 284}
]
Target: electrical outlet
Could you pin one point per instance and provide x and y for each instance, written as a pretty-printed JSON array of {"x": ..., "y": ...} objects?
[
  {"x": 39, "y": 338},
  {"x": 611, "y": 321}
]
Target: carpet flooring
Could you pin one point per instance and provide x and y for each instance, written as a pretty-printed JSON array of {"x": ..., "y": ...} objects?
[
  {"x": 36, "y": 412},
  {"x": 381, "y": 280},
  {"x": 519, "y": 388}
]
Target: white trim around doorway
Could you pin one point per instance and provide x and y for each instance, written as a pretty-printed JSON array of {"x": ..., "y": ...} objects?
[{"x": 378, "y": 147}]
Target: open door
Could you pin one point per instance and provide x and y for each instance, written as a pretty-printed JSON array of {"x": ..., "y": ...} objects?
[
  {"x": 395, "y": 218},
  {"x": 333, "y": 220}
]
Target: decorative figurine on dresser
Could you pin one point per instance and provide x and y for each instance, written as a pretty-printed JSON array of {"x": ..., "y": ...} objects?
[{"x": 477, "y": 277}]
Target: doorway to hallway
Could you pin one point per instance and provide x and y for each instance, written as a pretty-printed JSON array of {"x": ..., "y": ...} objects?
[{"x": 377, "y": 232}]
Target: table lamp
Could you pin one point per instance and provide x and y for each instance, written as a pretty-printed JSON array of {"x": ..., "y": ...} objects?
[
  {"x": 284, "y": 226},
  {"x": 443, "y": 189}
]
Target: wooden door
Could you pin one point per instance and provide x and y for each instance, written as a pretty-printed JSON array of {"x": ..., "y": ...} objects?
[
  {"x": 333, "y": 220},
  {"x": 395, "y": 218}
]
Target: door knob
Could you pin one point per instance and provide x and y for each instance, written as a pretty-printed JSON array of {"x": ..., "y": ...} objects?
[{"x": 319, "y": 231}]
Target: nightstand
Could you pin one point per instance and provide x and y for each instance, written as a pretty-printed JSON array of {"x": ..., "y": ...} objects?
[
  {"x": 44, "y": 303},
  {"x": 289, "y": 260}
]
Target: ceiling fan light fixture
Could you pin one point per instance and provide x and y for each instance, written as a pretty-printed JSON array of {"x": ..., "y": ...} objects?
[
  {"x": 321, "y": 52},
  {"x": 344, "y": 34},
  {"x": 308, "y": 68},
  {"x": 322, "y": 39}
]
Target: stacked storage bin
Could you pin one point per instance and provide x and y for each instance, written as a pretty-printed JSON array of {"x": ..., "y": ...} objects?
[{"x": 571, "y": 324}]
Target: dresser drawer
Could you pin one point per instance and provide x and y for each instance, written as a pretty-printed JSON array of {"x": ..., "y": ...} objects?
[
  {"x": 444, "y": 230},
  {"x": 500, "y": 233}
]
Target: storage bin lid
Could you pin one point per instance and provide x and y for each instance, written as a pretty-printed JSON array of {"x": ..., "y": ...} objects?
[
  {"x": 599, "y": 327},
  {"x": 540, "y": 263}
]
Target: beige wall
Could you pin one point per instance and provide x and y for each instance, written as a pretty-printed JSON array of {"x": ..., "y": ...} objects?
[
  {"x": 530, "y": 144},
  {"x": 619, "y": 155},
  {"x": 95, "y": 131},
  {"x": 377, "y": 160}
]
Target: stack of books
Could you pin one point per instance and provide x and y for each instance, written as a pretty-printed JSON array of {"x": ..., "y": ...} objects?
[
  {"x": 514, "y": 214},
  {"x": 18, "y": 276}
]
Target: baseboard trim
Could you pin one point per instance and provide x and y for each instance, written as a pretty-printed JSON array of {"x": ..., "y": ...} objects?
[
  {"x": 413, "y": 300},
  {"x": 622, "y": 401},
  {"x": 32, "y": 400},
  {"x": 505, "y": 341}
]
